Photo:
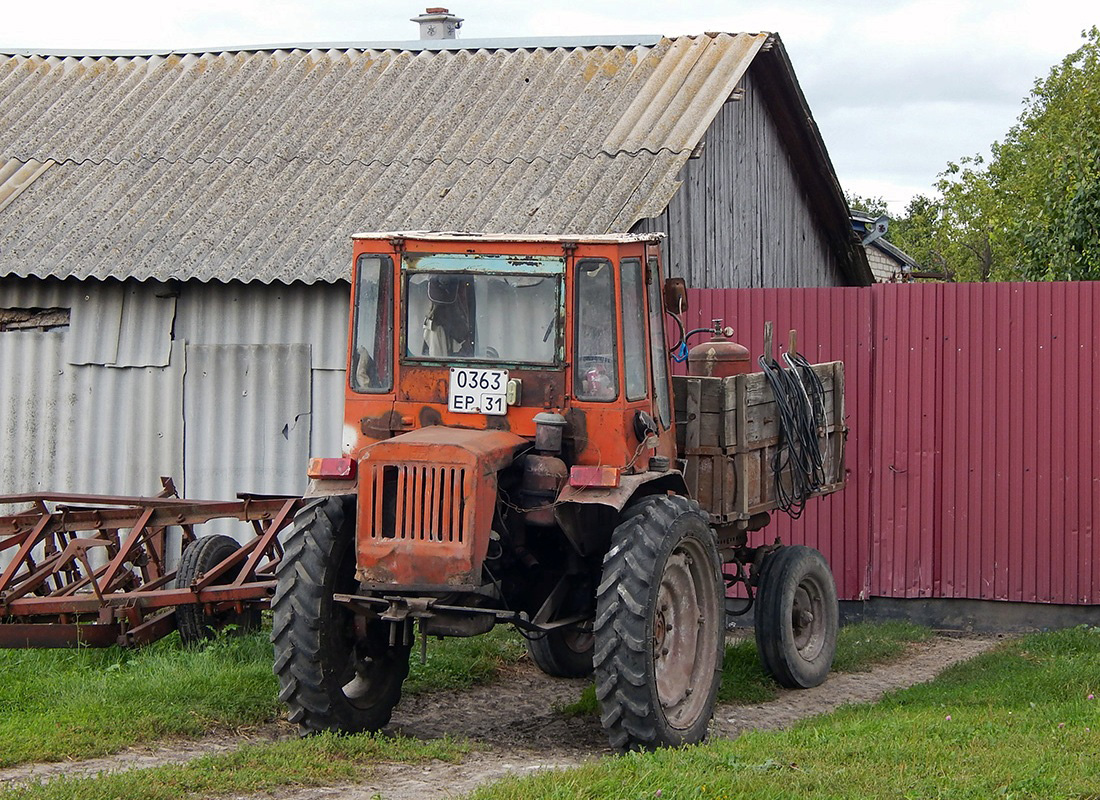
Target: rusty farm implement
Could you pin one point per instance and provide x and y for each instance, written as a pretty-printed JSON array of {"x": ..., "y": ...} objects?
[{"x": 102, "y": 570}]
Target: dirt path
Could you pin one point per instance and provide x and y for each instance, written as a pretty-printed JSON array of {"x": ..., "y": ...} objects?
[{"x": 515, "y": 721}]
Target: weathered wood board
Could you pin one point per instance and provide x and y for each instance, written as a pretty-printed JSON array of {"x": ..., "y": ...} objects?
[{"x": 727, "y": 432}]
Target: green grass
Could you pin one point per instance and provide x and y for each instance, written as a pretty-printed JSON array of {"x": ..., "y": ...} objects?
[
  {"x": 858, "y": 648},
  {"x": 61, "y": 704},
  {"x": 863, "y": 645},
  {"x": 58, "y": 704},
  {"x": 316, "y": 761},
  {"x": 461, "y": 663},
  {"x": 1022, "y": 721}
]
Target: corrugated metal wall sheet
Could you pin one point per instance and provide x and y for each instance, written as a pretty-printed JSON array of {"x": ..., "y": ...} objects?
[
  {"x": 247, "y": 414},
  {"x": 76, "y": 428},
  {"x": 973, "y": 456},
  {"x": 988, "y": 462},
  {"x": 100, "y": 406},
  {"x": 251, "y": 313},
  {"x": 974, "y": 453}
]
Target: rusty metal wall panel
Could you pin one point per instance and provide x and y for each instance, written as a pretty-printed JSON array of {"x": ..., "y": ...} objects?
[
  {"x": 183, "y": 165},
  {"x": 833, "y": 324},
  {"x": 247, "y": 411}
]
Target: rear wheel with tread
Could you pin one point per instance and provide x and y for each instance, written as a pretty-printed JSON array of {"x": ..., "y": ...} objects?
[
  {"x": 563, "y": 652},
  {"x": 336, "y": 670},
  {"x": 797, "y": 617},
  {"x": 660, "y": 626},
  {"x": 193, "y": 621}
]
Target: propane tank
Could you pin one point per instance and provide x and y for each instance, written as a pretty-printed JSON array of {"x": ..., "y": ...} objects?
[{"x": 718, "y": 357}]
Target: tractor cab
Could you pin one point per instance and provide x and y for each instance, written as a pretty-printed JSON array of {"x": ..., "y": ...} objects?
[{"x": 487, "y": 333}]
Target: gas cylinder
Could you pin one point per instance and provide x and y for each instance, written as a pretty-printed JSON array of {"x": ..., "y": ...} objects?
[{"x": 718, "y": 357}]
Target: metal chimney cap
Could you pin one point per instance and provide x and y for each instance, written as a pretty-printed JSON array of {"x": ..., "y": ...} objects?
[{"x": 438, "y": 23}]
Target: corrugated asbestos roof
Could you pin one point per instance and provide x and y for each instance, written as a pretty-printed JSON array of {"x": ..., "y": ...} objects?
[{"x": 261, "y": 164}]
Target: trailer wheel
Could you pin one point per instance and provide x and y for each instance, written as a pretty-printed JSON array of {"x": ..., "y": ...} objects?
[
  {"x": 336, "y": 670},
  {"x": 660, "y": 626},
  {"x": 193, "y": 622},
  {"x": 796, "y": 617},
  {"x": 563, "y": 652}
]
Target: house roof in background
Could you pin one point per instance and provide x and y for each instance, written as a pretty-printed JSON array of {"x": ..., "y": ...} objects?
[
  {"x": 260, "y": 163},
  {"x": 863, "y": 224}
]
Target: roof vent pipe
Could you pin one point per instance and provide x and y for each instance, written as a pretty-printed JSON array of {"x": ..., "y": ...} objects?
[{"x": 438, "y": 23}]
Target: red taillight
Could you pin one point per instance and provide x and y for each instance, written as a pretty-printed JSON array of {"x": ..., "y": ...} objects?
[
  {"x": 596, "y": 477},
  {"x": 341, "y": 469}
]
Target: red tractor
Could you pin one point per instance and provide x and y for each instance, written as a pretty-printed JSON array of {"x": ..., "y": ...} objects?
[{"x": 513, "y": 454}]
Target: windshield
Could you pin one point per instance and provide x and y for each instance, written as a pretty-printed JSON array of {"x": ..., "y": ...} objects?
[{"x": 492, "y": 317}]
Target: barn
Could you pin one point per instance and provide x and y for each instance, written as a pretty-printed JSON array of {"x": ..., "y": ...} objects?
[{"x": 175, "y": 227}]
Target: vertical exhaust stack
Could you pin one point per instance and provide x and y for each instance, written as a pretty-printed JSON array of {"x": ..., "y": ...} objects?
[{"x": 438, "y": 23}]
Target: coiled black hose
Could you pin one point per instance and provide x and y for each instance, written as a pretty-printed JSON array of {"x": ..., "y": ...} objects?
[{"x": 798, "y": 466}]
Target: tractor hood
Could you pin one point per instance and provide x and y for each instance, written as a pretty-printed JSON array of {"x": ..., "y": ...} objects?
[
  {"x": 426, "y": 503},
  {"x": 491, "y": 450}
]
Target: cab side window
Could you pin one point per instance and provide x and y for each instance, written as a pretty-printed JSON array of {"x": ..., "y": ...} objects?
[
  {"x": 596, "y": 376},
  {"x": 372, "y": 356},
  {"x": 658, "y": 348},
  {"x": 634, "y": 342}
]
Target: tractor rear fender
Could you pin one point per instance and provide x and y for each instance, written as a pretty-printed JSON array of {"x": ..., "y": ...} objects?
[{"x": 588, "y": 515}]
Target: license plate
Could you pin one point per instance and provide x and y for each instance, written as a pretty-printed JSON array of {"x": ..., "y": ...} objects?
[{"x": 478, "y": 391}]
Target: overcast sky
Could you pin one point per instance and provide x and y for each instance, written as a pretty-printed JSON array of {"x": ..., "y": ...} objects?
[{"x": 897, "y": 88}]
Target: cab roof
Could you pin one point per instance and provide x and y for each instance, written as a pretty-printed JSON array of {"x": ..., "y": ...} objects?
[{"x": 466, "y": 236}]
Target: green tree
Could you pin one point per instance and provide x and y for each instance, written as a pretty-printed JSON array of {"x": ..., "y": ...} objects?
[
  {"x": 1052, "y": 158},
  {"x": 875, "y": 206},
  {"x": 1032, "y": 210},
  {"x": 920, "y": 232}
]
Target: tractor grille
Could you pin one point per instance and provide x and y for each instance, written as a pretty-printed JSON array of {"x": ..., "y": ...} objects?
[{"x": 418, "y": 502}]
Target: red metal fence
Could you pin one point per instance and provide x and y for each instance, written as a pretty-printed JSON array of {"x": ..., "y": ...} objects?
[{"x": 974, "y": 457}]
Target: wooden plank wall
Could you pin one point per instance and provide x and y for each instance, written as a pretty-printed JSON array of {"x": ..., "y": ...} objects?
[{"x": 741, "y": 219}]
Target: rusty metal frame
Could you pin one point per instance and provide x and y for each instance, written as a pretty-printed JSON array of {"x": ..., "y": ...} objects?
[{"x": 52, "y": 594}]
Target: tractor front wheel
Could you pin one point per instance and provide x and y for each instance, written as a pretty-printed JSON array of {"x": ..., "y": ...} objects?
[
  {"x": 337, "y": 671},
  {"x": 660, "y": 626},
  {"x": 796, "y": 617}
]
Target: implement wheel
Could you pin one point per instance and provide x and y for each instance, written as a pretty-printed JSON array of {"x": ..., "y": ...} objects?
[
  {"x": 563, "y": 652},
  {"x": 337, "y": 671},
  {"x": 193, "y": 622},
  {"x": 660, "y": 626},
  {"x": 796, "y": 617}
]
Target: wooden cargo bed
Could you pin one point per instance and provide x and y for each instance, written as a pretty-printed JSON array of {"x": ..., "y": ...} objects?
[{"x": 727, "y": 432}]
